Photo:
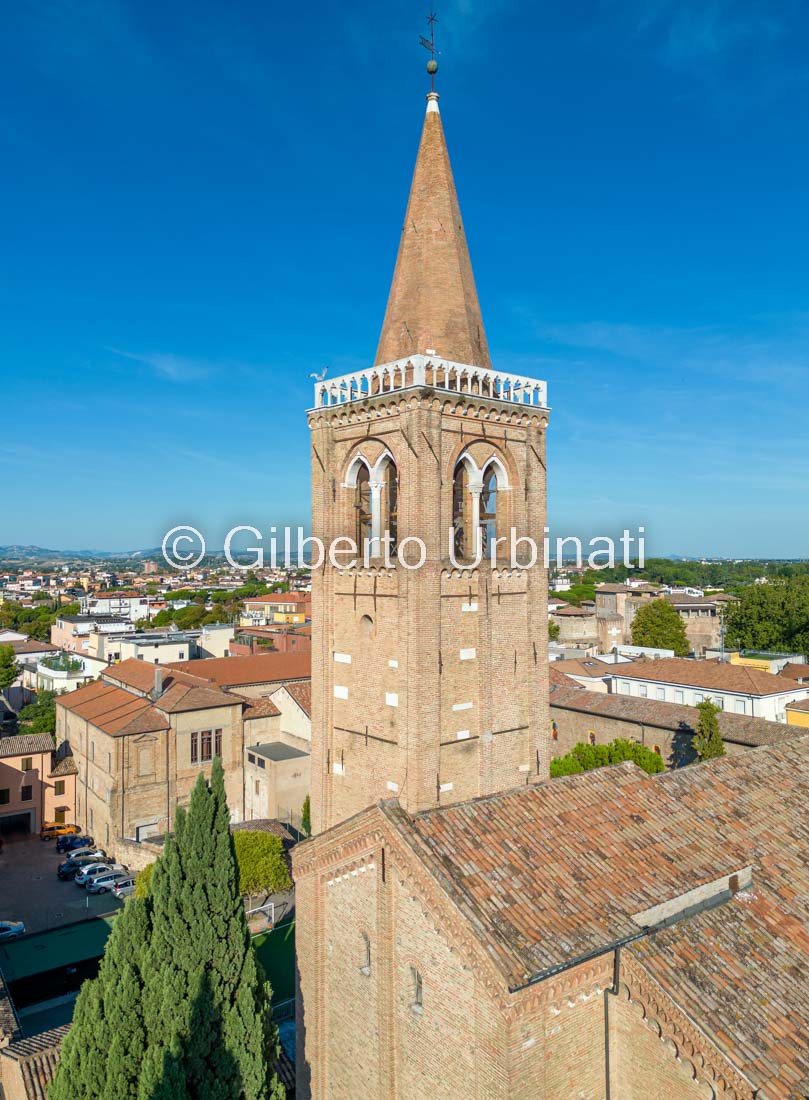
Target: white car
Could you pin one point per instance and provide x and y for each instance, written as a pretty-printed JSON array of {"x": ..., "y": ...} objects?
[
  {"x": 105, "y": 878},
  {"x": 11, "y": 930},
  {"x": 81, "y": 853},
  {"x": 91, "y": 869},
  {"x": 124, "y": 887},
  {"x": 100, "y": 884}
]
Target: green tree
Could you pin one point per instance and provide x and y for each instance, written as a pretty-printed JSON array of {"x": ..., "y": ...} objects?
[
  {"x": 585, "y": 758},
  {"x": 553, "y": 631},
  {"x": 179, "y": 1009},
  {"x": 771, "y": 616},
  {"x": 261, "y": 863},
  {"x": 707, "y": 741},
  {"x": 39, "y": 716},
  {"x": 306, "y": 817},
  {"x": 659, "y": 625},
  {"x": 102, "y": 1052},
  {"x": 8, "y": 667},
  {"x": 206, "y": 1005}
]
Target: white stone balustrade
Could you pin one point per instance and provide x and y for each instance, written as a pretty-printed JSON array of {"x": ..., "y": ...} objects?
[{"x": 425, "y": 370}]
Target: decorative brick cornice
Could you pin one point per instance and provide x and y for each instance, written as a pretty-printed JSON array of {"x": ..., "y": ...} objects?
[
  {"x": 464, "y": 406},
  {"x": 700, "y": 1059}
]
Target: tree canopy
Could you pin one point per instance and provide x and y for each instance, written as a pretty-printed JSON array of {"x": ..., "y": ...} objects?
[
  {"x": 658, "y": 624},
  {"x": 585, "y": 758},
  {"x": 707, "y": 741},
  {"x": 179, "y": 1009},
  {"x": 39, "y": 716},
  {"x": 8, "y": 667},
  {"x": 261, "y": 862},
  {"x": 259, "y": 858},
  {"x": 771, "y": 616},
  {"x": 36, "y": 622}
]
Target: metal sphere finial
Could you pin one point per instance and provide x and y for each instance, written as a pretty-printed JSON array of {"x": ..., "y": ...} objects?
[{"x": 432, "y": 66}]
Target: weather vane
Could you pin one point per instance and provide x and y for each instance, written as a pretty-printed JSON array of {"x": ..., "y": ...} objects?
[{"x": 429, "y": 44}]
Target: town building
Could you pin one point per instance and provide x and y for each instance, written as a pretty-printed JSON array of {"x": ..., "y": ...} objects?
[
  {"x": 466, "y": 926},
  {"x": 37, "y": 783},
  {"x": 617, "y": 605},
  {"x": 578, "y": 716},
  {"x": 605, "y": 934},
  {"x": 141, "y": 735},
  {"x": 279, "y": 639},
  {"x": 735, "y": 688},
  {"x": 277, "y": 608},
  {"x": 73, "y": 632},
  {"x": 131, "y": 606}
]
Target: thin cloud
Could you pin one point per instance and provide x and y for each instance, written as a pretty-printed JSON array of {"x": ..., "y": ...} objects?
[{"x": 174, "y": 368}]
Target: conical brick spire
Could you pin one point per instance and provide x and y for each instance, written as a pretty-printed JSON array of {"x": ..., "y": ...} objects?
[{"x": 433, "y": 305}]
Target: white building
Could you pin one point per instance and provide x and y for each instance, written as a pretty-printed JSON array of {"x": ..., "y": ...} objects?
[
  {"x": 738, "y": 689},
  {"x": 133, "y": 606}
]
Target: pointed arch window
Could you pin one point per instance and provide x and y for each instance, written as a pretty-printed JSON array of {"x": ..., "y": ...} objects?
[
  {"x": 488, "y": 506},
  {"x": 475, "y": 496},
  {"x": 460, "y": 508},
  {"x": 376, "y": 503},
  {"x": 362, "y": 504},
  {"x": 391, "y": 518}
]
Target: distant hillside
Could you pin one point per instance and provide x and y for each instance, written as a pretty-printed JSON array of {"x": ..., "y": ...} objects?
[{"x": 18, "y": 553}]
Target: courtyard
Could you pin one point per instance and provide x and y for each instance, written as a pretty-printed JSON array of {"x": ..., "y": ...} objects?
[{"x": 31, "y": 892}]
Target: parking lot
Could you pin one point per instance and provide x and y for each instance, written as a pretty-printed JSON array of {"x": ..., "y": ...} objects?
[{"x": 31, "y": 892}]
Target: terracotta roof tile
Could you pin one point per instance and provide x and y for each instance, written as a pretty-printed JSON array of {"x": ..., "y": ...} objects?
[
  {"x": 113, "y": 709},
  {"x": 259, "y": 668},
  {"x": 25, "y": 744},
  {"x": 795, "y": 671},
  {"x": 37, "y": 1058},
  {"x": 741, "y": 729},
  {"x": 548, "y": 874},
  {"x": 301, "y": 692},
  {"x": 719, "y": 675}
]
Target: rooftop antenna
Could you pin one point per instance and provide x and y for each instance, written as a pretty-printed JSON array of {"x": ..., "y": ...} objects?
[{"x": 429, "y": 44}]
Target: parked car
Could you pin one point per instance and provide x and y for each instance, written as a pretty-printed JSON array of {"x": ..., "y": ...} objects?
[
  {"x": 82, "y": 853},
  {"x": 11, "y": 930},
  {"x": 71, "y": 867},
  {"x": 52, "y": 829},
  {"x": 71, "y": 842},
  {"x": 124, "y": 887},
  {"x": 94, "y": 868},
  {"x": 100, "y": 884}
]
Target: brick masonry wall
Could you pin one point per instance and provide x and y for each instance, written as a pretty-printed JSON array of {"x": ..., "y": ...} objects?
[
  {"x": 573, "y": 727},
  {"x": 390, "y": 727}
]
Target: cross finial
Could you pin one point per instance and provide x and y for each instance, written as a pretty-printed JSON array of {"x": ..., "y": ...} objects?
[{"x": 429, "y": 44}]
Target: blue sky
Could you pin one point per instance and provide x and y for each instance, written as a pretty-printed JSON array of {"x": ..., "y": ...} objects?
[{"x": 202, "y": 201}]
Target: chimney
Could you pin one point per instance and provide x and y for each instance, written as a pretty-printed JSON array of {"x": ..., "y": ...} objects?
[{"x": 157, "y": 690}]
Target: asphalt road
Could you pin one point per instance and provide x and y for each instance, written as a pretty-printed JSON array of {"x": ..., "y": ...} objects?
[{"x": 31, "y": 892}]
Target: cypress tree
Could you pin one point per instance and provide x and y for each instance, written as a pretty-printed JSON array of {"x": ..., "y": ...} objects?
[
  {"x": 102, "y": 1053},
  {"x": 207, "y": 1008},
  {"x": 707, "y": 742}
]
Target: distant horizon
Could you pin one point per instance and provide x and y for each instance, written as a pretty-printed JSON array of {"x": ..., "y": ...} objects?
[{"x": 146, "y": 553}]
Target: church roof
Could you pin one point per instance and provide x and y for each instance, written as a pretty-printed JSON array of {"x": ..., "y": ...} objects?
[
  {"x": 433, "y": 304},
  {"x": 553, "y": 874}
]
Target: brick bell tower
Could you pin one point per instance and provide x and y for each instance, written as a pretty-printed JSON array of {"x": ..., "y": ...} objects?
[{"x": 429, "y": 684}]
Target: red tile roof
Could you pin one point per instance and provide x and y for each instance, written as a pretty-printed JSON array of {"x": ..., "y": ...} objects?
[
  {"x": 301, "y": 692},
  {"x": 141, "y": 676},
  {"x": 795, "y": 671},
  {"x": 258, "y": 668},
  {"x": 550, "y": 874},
  {"x": 715, "y": 674},
  {"x": 113, "y": 709},
  {"x": 739, "y": 729}
]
